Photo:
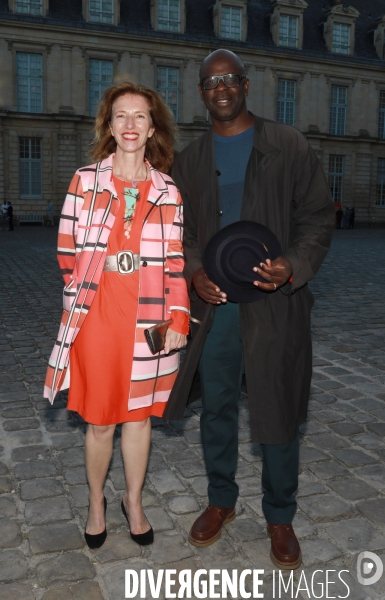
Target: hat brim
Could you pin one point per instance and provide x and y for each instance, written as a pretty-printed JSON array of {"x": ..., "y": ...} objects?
[{"x": 266, "y": 245}]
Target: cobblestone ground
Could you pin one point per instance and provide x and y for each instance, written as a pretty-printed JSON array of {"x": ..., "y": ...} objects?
[{"x": 43, "y": 492}]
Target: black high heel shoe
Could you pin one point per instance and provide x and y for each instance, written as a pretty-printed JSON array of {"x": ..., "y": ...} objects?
[
  {"x": 143, "y": 539},
  {"x": 96, "y": 541}
]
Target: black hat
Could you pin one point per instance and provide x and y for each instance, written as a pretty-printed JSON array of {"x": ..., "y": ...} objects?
[{"x": 232, "y": 253}]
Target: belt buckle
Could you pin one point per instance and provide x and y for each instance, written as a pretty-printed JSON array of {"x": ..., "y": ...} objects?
[{"x": 125, "y": 262}]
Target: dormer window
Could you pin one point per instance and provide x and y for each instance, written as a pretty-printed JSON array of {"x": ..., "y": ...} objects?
[
  {"x": 231, "y": 22},
  {"x": 288, "y": 31},
  {"x": 230, "y": 19},
  {"x": 101, "y": 11},
  {"x": 339, "y": 29},
  {"x": 286, "y": 23},
  {"x": 341, "y": 38},
  {"x": 379, "y": 37},
  {"x": 29, "y": 7},
  {"x": 169, "y": 15},
  {"x": 38, "y": 8}
]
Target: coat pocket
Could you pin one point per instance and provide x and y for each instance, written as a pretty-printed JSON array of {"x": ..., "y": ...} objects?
[{"x": 69, "y": 293}]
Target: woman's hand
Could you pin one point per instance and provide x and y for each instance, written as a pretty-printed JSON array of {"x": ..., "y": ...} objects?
[{"x": 174, "y": 340}]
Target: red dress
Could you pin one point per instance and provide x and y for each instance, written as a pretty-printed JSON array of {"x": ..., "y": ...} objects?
[{"x": 100, "y": 381}]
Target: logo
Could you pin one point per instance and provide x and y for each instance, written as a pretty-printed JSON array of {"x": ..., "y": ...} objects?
[{"x": 369, "y": 568}]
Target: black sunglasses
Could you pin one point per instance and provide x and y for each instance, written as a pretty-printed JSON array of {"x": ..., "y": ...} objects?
[{"x": 230, "y": 80}]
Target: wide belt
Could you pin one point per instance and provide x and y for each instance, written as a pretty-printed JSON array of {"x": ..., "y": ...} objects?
[{"x": 123, "y": 262}]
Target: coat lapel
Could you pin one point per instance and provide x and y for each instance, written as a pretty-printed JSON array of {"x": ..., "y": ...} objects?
[
  {"x": 262, "y": 155},
  {"x": 209, "y": 205}
]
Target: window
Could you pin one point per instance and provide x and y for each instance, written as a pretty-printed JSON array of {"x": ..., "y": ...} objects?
[
  {"x": 286, "y": 101},
  {"x": 288, "y": 31},
  {"x": 168, "y": 86},
  {"x": 381, "y": 120},
  {"x": 341, "y": 38},
  {"x": 231, "y": 22},
  {"x": 30, "y": 166},
  {"x": 339, "y": 97},
  {"x": 336, "y": 177},
  {"x": 100, "y": 78},
  {"x": 29, "y": 69},
  {"x": 169, "y": 15},
  {"x": 29, "y": 7},
  {"x": 380, "y": 200},
  {"x": 101, "y": 11}
]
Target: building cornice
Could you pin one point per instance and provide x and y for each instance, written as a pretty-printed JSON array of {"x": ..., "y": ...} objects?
[{"x": 206, "y": 44}]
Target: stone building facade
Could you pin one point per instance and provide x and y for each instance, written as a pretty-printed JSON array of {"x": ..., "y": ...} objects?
[{"x": 315, "y": 64}]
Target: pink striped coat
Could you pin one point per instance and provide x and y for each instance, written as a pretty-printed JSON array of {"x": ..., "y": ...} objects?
[{"x": 87, "y": 218}]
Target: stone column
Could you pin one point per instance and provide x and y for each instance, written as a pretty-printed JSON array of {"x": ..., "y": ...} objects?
[
  {"x": 135, "y": 66},
  {"x": 270, "y": 94},
  {"x": 372, "y": 109},
  {"x": 68, "y": 160},
  {"x": 357, "y": 111},
  {"x": 66, "y": 80},
  {"x": 146, "y": 70},
  {"x": 323, "y": 104},
  {"x": 253, "y": 100},
  {"x": 80, "y": 81},
  {"x": 189, "y": 79},
  {"x": 6, "y": 153},
  {"x": 53, "y": 83},
  {"x": 123, "y": 67},
  {"x": 362, "y": 174},
  {"x": 54, "y": 184},
  {"x": 306, "y": 115},
  {"x": 257, "y": 90}
]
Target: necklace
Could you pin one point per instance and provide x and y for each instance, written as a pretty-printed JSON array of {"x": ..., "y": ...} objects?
[{"x": 131, "y": 197}]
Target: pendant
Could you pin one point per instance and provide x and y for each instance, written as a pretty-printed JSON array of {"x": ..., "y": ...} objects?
[{"x": 131, "y": 196}]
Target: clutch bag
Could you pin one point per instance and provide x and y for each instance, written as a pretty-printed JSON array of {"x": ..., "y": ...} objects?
[{"x": 156, "y": 336}]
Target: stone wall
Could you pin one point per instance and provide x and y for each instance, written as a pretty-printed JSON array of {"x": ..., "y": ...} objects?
[{"x": 66, "y": 128}]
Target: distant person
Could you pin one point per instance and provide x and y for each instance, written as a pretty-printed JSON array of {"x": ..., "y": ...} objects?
[
  {"x": 50, "y": 213},
  {"x": 4, "y": 213},
  {"x": 339, "y": 215},
  {"x": 352, "y": 217},
  {"x": 346, "y": 218},
  {"x": 10, "y": 216}
]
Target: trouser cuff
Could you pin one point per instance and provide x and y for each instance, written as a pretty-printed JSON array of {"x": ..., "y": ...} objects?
[
  {"x": 280, "y": 515},
  {"x": 222, "y": 500}
]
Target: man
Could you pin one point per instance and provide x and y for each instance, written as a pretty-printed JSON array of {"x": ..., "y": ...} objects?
[
  {"x": 10, "y": 216},
  {"x": 50, "y": 213},
  {"x": 4, "y": 212},
  {"x": 246, "y": 168}
]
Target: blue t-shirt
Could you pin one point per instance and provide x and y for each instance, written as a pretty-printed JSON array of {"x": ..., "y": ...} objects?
[{"x": 232, "y": 154}]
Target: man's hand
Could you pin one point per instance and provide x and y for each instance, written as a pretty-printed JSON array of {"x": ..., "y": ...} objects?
[
  {"x": 206, "y": 289},
  {"x": 174, "y": 340},
  {"x": 276, "y": 273}
]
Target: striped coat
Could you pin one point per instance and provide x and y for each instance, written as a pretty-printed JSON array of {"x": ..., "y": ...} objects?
[{"x": 87, "y": 218}]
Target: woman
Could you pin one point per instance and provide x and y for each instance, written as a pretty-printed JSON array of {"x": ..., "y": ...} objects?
[{"x": 120, "y": 252}]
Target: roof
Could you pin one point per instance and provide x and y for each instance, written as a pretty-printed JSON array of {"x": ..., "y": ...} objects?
[{"x": 135, "y": 19}]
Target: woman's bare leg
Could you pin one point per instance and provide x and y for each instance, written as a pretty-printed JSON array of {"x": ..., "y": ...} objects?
[
  {"x": 98, "y": 452},
  {"x": 136, "y": 439}
]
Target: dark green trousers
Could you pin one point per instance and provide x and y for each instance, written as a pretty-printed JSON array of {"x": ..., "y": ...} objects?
[{"x": 221, "y": 368}]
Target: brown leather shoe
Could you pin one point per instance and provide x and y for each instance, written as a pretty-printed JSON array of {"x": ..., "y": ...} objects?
[
  {"x": 285, "y": 551},
  {"x": 207, "y": 528}
]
